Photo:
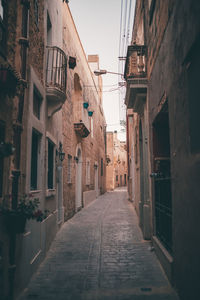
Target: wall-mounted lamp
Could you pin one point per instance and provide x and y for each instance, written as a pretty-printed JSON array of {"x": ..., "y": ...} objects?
[
  {"x": 60, "y": 152},
  {"x": 102, "y": 72}
]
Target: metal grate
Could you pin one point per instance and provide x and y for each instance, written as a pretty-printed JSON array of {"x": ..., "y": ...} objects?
[{"x": 163, "y": 210}]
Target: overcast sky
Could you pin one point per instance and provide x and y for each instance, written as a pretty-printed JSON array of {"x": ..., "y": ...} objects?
[{"x": 98, "y": 25}]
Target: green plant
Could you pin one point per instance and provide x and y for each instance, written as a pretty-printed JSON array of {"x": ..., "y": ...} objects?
[
  {"x": 26, "y": 208},
  {"x": 15, "y": 218}
]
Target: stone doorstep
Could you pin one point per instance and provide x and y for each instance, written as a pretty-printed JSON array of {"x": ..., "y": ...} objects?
[{"x": 166, "y": 260}]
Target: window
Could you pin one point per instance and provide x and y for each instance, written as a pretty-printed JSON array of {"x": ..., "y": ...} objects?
[
  {"x": 34, "y": 160},
  {"x": 124, "y": 179},
  {"x": 194, "y": 99},
  {"x": 151, "y": 10},
  {"x": 116, "y": 177},
  {"x": 69, "y": 169},
  {"x": 36, "y": 11},
  {"x": 37, "y": 101},
  {"x": 2, "y": 139},
  {"x": 101, "y": 166},
  {"x": 50, "y": 164},
  {"x": 49, "y": 31},
  {"x": 87, "y": 172}
]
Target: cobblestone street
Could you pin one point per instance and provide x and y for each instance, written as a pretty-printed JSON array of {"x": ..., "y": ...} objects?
[{"x": 100, "y": 254}]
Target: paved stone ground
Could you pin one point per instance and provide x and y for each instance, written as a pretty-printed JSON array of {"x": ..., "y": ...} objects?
[{"x": 100, "y": 255}]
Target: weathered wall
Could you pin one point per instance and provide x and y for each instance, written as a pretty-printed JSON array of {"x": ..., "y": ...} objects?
[
  {"x": 93, "y": 146},
  {"x": 174, "y": 30}
]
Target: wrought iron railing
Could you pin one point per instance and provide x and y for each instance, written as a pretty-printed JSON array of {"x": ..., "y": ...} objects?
[
  {"x": 136, "y": 62},
  {"x": 56, "y": 70}
]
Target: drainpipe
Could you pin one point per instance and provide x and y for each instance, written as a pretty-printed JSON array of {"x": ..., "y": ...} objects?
[{"x": 17, "y": 130}]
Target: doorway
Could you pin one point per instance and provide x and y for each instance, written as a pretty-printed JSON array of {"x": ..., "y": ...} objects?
[{"x": 162, "y": 178}]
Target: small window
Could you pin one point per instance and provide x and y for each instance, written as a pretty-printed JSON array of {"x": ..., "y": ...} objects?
[
  {"x": 116, "y": 177},
  {"x": 50, "y": 165},
  {"x": 101, "y": 166},
  {"x": 124, "y": 179},
  {"x": 34, "y": 160},
  {"x": 87, "y": 172},
  {"x": 49, "y": 30},
  {"x": 69, "y": 169},
  {"x": 36, "y": 11},
  {"x": 2, "y": 139},
  {"x": 37, "y": 101}
]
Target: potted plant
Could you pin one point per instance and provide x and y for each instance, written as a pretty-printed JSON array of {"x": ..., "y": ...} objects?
[
  {"x": 85, "y": 104},
  {"x": 90, "y": 113},
  {"x": 15, "y": 218}
]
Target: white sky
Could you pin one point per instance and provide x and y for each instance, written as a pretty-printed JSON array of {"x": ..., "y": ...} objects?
[{"x": 98, "y": 25}]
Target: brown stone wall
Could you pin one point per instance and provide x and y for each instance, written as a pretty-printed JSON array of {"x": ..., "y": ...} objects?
[
  {"x": 36, "y": 40},
  {"x": 93, "y": 146},
  {"x": 171, "y": 39}
]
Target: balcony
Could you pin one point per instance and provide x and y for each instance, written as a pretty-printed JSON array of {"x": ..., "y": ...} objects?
[
  {"x": 136, "y": 77},
  {"x": 56, "y": 79},
  {"x": 81, "y": 119}
]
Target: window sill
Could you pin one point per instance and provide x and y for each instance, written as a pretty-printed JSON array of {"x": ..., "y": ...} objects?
[
  {"x": 34, "y": 192},
  {"x": 50, "y": 192}
]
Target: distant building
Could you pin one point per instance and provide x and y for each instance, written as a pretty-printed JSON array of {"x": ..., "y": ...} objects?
[
  {"x": 116, "y": 158},
  {"x": 162, "y": 99}
]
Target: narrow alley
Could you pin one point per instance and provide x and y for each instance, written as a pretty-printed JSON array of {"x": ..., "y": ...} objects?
[{"x": 100, "y": 254}]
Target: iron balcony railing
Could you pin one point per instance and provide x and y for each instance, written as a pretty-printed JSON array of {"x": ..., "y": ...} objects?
[
  {"x": 56, "y": 70},
  {"x": 135, "y": 66}
]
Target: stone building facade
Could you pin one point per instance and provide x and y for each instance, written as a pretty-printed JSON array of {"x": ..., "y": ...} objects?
[
  {"x": 45, "y": 78},
  {"x": 83, "y": 135},
  {"x": 116, "y": 157},
  {"x": 162, "y": 91}
]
